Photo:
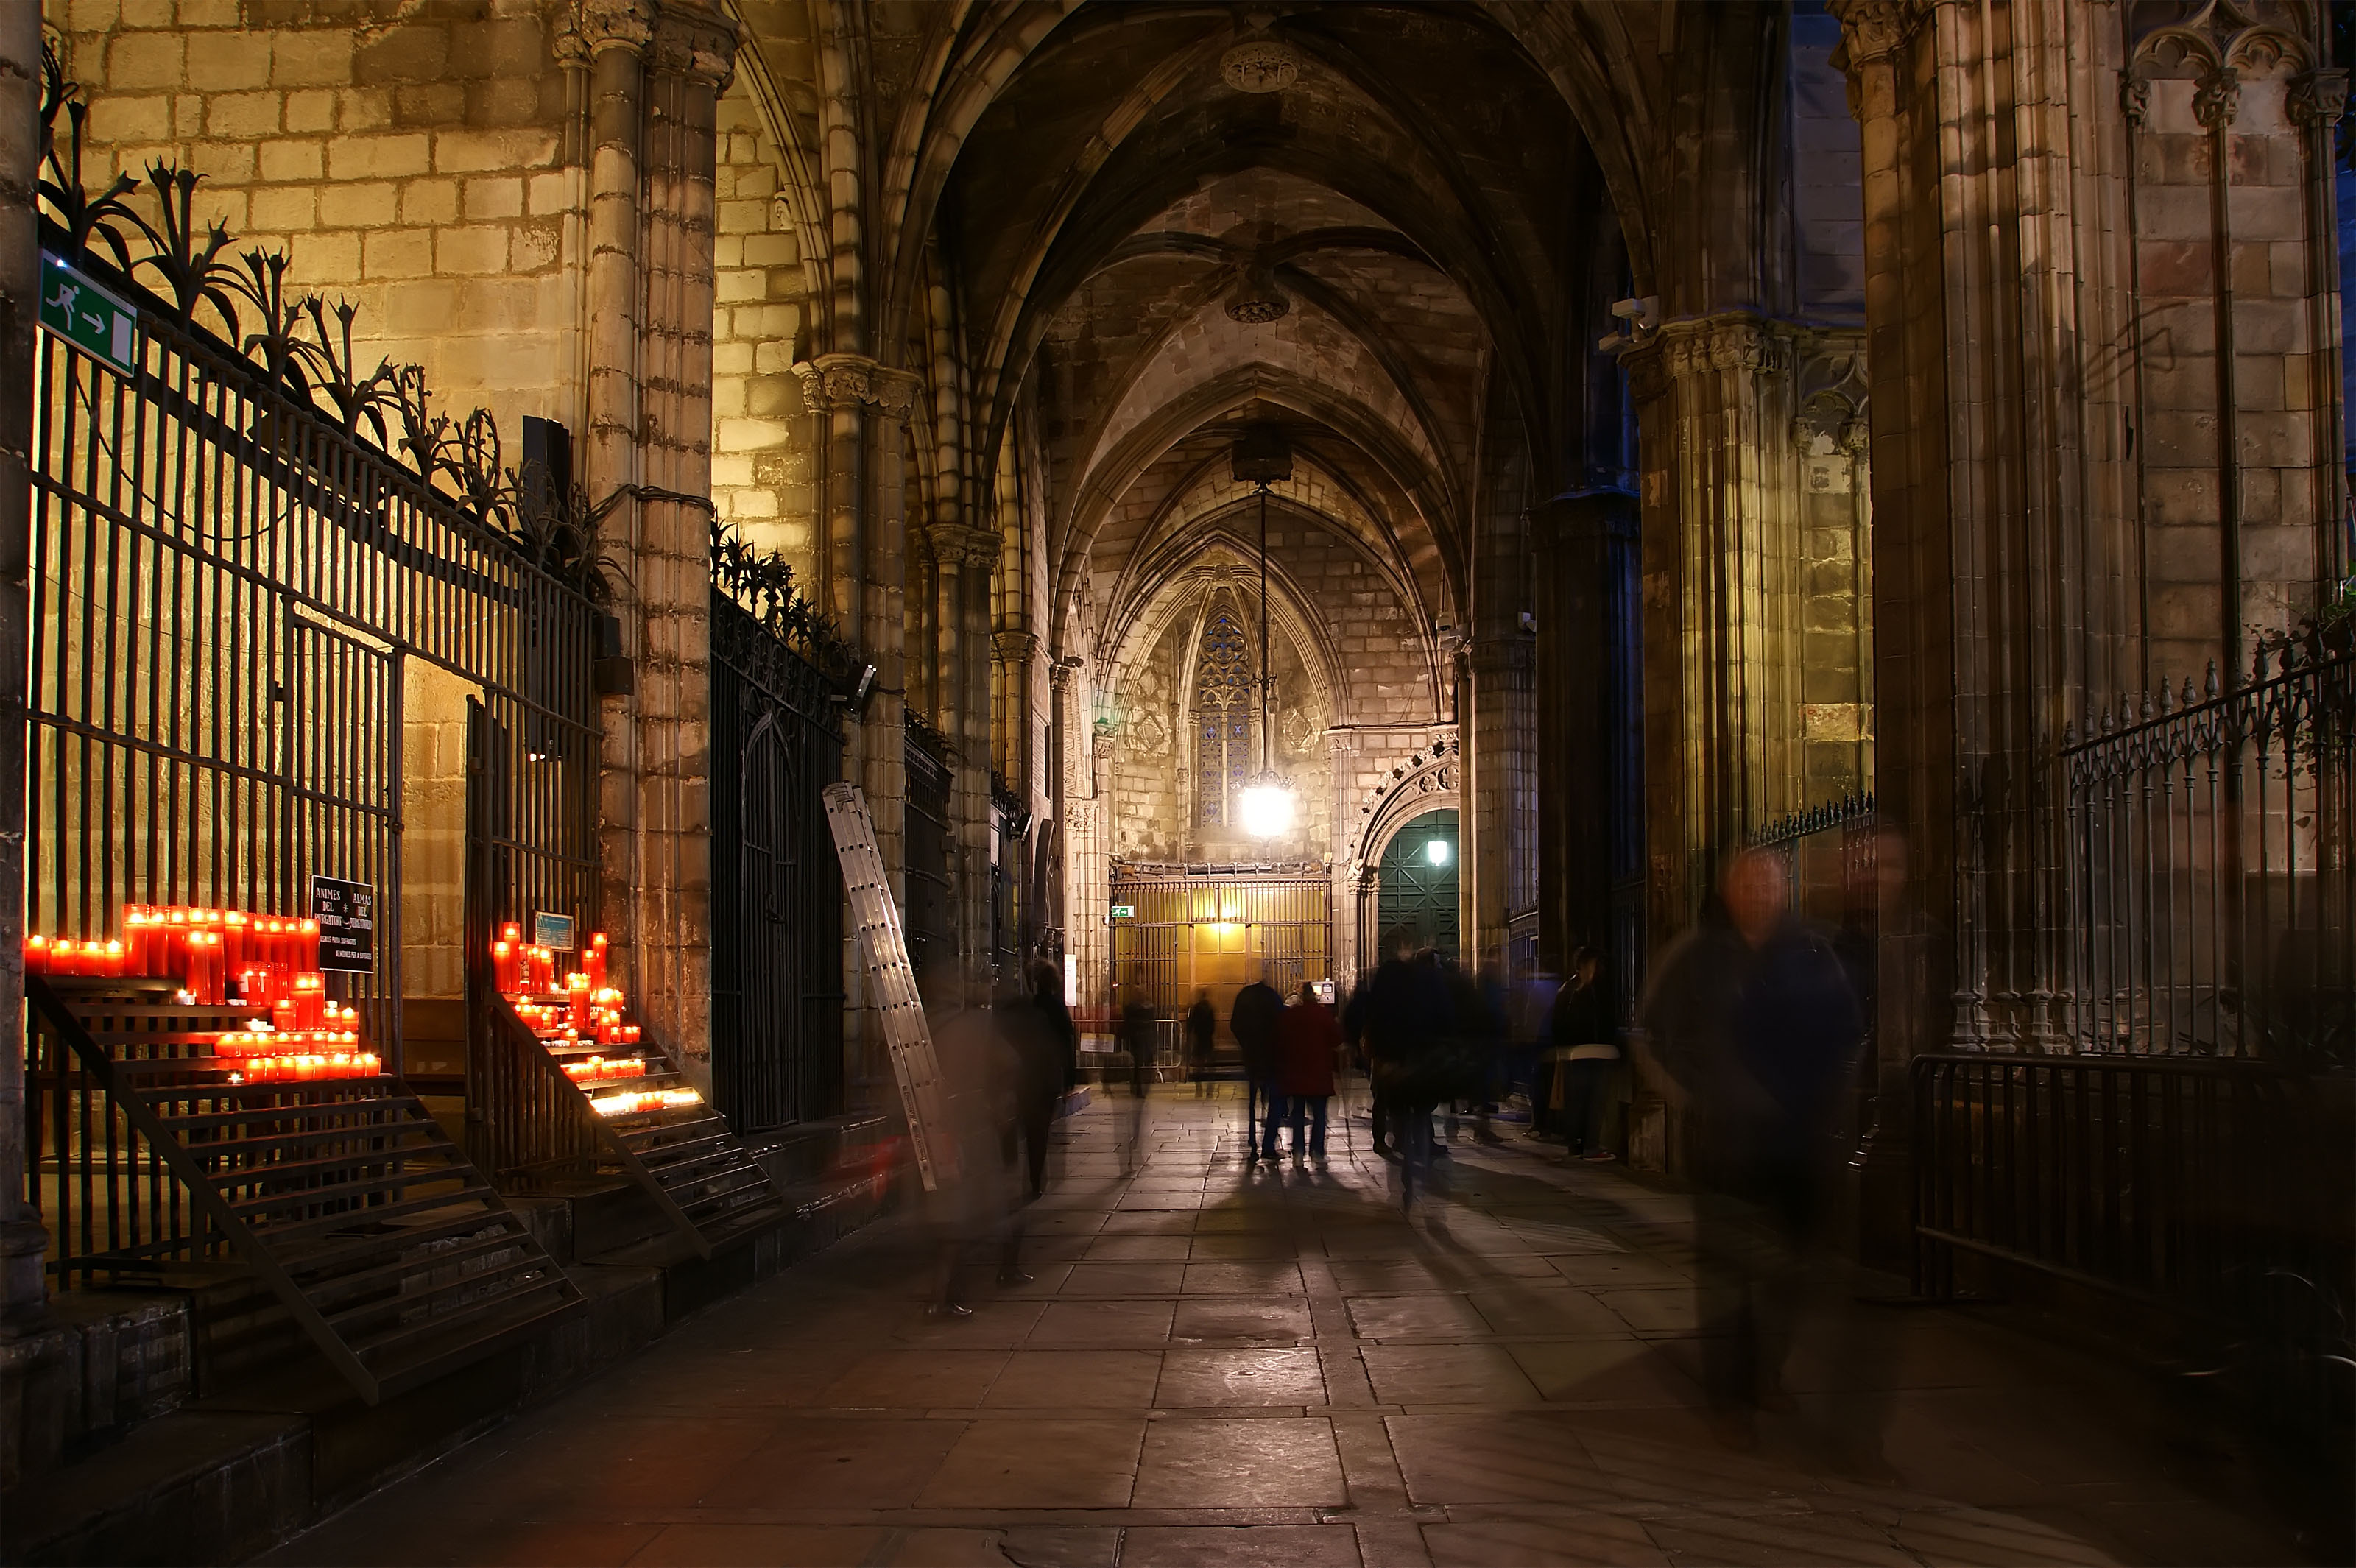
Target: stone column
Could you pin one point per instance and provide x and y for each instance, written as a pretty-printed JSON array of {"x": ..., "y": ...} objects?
[
  {"x": 24, "y": 1288},
  {"x": 864, "y": 408},
  {"x": 613, "y": 39},
  {"x": 1501, "y": 679},
  {"x": 971, "y": 714},
  {"x": 690, "y": 55},
  {"x": 1573, "y": 678},
  {"x": 1714, "y": 405}
]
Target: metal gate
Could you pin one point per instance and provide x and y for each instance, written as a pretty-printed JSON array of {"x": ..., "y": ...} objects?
[
  {"x": 776, "y": 896},
  {"x": 258, "y": 578}
]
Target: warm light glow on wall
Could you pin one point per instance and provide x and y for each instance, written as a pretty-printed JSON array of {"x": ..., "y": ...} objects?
[
  {"x": 1268, "y": 810},
  {"x": 1435, "y": 851}
]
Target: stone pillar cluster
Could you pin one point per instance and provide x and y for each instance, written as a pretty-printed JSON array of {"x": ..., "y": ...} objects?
[{"x": 654, "y": 74}]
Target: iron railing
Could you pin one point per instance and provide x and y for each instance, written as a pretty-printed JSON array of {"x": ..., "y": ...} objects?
[
  {"x": 2214, "y": 905},
  {"x": 269, "y": 596},
  {"x": 776, "y": 940},
  {"x": 2218, "y": 1189}
]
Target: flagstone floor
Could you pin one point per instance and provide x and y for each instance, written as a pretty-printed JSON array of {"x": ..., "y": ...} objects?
[{"x": 1219, "y": 1365}]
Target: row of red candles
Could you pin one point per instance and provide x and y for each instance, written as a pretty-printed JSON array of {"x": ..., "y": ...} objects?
[
  {"x": 271, "y": 957},
  {"x": 308, "y": 1067},
  {"x": 238, "y": 1044},
  {"x": 521, "y": 970}
]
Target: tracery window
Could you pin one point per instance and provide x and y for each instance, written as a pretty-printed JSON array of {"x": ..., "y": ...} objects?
[{"x": 1223, "y": 722}]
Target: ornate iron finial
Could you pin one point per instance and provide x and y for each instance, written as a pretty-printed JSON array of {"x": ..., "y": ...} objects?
[{"x": 2209, "y": 687}]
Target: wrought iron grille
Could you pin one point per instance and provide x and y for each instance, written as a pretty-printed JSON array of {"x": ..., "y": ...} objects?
[
  {"x": 931, "y": 930},
  {"x": 2214, "y": 908},
  {"x": 776, "y": 940},
  {"x": 264, "y": 591},
  {"x": 1214, "y": 933}
]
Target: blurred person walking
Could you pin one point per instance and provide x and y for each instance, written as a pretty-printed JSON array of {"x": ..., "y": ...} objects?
[
  {"x": 1308, "y": 1042},
  {"x": 1258, "y": 1011},
  {"x": 1202, "y": 1045},
  {"x": 975, "y": 1204},
  {"x": 1751, "y": 1030},
  {"x": 1041, "y": 1033},
  {"x": 1586, "y": 1057},
  {"x": 1138, "y": 1032}
]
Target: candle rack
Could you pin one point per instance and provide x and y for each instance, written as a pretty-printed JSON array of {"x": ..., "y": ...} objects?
[
  {"x": 330, "y": 1180},
  {"x": 645, "y": 1116}
]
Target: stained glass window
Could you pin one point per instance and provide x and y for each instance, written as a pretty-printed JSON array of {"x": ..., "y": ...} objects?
[{"x": 1223, "y": 720}]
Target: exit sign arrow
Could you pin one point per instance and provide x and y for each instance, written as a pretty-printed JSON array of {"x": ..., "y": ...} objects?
[{"x": 88, "y": 317}]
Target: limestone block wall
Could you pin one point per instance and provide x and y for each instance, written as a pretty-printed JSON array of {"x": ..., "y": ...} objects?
[
  {"x": 408, "y": 159},
  {"x": 764, "y": 463},
  {"x": 2239, "y": 432}
]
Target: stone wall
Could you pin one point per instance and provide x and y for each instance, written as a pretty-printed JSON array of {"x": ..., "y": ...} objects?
[
  {"x": 763, "y": 469},
  {"x": 410, "y": 159}
]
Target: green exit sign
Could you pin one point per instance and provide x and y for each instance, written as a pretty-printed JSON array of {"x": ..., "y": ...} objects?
[
  {"x": 1124, "y": 911},
  {"x": 87, "y": 317}
]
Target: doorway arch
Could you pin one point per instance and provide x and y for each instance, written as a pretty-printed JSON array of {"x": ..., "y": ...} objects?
[{"x": 1415, "y": 883}]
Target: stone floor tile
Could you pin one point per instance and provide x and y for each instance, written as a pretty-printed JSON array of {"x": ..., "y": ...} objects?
[
  {"x": 1390, "y": 1277},
  {"x": 827, "y": 1462},
  {"x": 1151, "y": 1222},
  {"x": 1777, "y": 1541},
  {"x": 757, "y": 1545},
  {"x": 1976, "y": 1537},
  {"x": 918, "y": 1379},
  {"x": 1140, "y": 1249},
  {"x": 1091, "y": 1279},
  {"x": 1057, "y": 1546},
  {"x": 1620, "y": 1371},
  {"x": 1667, "y": 1311},
  {"x": 1258, "y": 1280},
  {"x": 1414, "y": 1317},
  {"x": 1211, "y": 1463},
  {"x": 1201, "y": 1379},
  {"x": 1527, "y": 1308},
  {"x": 1216, "y": 1318},
  {"x": 1134, "y": 1325},
  {"x": 1036, "y": 1464},
  {"x": 1063, "y": 1380},
  {"x": 1561, "y": 1541},
  {"x": 1244, "y": 1546},
  {"x": 1516, "y": 1458},
  {"x": 1446, "y": 1374},
  {"x": 1240, "y": 1246}
]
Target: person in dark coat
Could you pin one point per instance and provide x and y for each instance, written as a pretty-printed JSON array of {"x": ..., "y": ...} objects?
[
  {"x": 1308, "y": 1041},
  {"x": 1202, "y": 1044},
  {"x": 1586, "y": 1053},
  {"x": 1138, "y": 1031},
  {"x": 1396, "y": 1022},
  {"x": 1750, "y": 1031},
  {"x": 1258, "y": 1011},
  {"x": 1040, "y": 1029},
  {"x": 975, "y": 1205}
]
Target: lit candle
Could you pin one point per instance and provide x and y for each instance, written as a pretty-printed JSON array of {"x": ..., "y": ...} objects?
[
  {"x": 512, "y": 934},
  {"x": 172, "y": 961},
  {"x": 36, "y": 955},
  {"x": 234, "y": 937},
  {"x": 306, "y": 943},
  {"x": 310, "y": 993},
  {"x": 111, "y": 959},
  {"x": 576, "y": 991},
  {"x": 592, "y": 959}
]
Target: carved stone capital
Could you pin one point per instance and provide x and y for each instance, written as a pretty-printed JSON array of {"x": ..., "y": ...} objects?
[
  {"x": 692, "y": 42},
  {"x": 589, "y": 28},
  {"x": 2318, "y": 98},
  {"x": 948, "y": 543},
  {"x": 2217, "y": 98},
  {"x": 982, "y": 548},
  {"x": 838, "y": 381},
  {"x": 1012, "y": 647},
  {"x": 1873, "y": 30},
  {"x": 1060, "y": 673},
  {"x": 1734, "y": 342}
]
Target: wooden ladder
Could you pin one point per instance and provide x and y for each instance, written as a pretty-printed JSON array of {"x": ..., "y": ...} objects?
[{"x": 344, "y": 1195}]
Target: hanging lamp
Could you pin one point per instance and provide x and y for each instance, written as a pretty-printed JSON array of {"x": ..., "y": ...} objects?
[{"x": 1267, "y": 803}]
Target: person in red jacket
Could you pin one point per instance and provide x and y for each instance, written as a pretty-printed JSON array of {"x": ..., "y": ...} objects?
[{"x": 1308, "y": 1040}]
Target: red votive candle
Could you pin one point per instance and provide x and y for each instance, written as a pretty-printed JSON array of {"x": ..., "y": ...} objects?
[
  {"x": 36, "y": 955},
  {"x": 577, "y": 992},
  {"x": 593, "y": 960},
  {"x": 507, "y": 967}
]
